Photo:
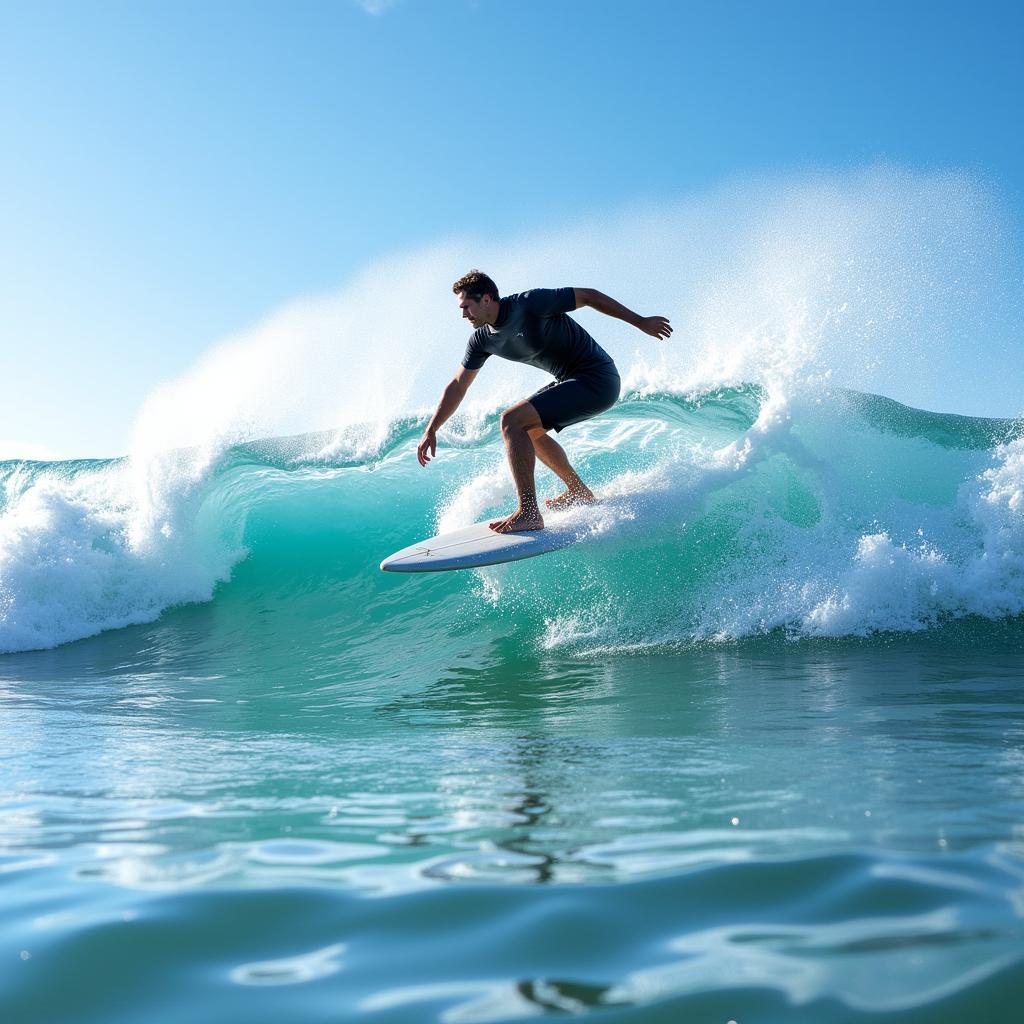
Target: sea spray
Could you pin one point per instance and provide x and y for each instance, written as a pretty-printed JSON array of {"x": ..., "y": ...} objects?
[{"x": 885, "y": 281}]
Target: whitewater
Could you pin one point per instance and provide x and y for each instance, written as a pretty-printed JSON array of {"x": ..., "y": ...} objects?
[
  {"x": 751, "y": 750},
  {"x": 725, "y": 514}
]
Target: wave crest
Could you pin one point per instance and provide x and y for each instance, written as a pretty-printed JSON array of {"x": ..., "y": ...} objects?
[{"x": 727, "y": 513}]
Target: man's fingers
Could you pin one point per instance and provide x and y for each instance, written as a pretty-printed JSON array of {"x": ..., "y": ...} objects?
[
  {"x": 425, "y": 446},
  {"x": 658, "y": 327}
]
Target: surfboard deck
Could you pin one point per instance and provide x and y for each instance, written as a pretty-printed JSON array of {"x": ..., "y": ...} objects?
[{"x": 478, "y": 545}]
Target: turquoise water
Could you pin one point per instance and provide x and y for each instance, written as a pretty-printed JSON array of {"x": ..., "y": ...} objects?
[{"x": 752, "y": 750}]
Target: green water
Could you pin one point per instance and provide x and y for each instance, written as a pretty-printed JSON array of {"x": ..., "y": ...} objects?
[
  {"x": 769, "y": 831},
  {"x": 754, "y": 751}
]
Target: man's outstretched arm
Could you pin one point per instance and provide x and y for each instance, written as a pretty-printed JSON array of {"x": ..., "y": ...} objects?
[
  {"x": 451, "y": 399},
  {"x": 655, "y": 326}
]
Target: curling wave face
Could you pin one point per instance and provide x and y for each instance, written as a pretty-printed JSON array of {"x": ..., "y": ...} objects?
[{"x": 725, "y": 513}]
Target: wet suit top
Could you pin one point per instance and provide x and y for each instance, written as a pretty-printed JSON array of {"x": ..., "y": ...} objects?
[{"x": 532, "y": 327}]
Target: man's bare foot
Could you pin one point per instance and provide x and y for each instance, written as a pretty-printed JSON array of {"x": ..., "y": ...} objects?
[
  {"x": 517, "y": 522},
  {"x": 581, "y": 495}
]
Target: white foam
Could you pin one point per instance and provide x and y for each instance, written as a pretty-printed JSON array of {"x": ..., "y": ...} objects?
[
  {"x": 74, "y": 559},
  {"x": 873, "y": 561}
]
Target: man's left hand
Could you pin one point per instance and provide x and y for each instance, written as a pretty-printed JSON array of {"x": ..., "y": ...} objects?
[{"x": 656, "y": 326}]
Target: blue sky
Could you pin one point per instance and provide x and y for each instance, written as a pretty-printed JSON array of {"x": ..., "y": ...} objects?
[{"x": 171, "y": 173}]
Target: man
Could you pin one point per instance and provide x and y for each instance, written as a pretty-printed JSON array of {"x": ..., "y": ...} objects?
[{"x": 533, "y": 328}]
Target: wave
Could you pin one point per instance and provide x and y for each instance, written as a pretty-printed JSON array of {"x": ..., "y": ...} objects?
[{"x": 726, "y": 513}]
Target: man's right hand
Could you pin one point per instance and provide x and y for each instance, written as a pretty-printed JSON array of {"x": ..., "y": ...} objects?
[{"x": 427, "y": 444}]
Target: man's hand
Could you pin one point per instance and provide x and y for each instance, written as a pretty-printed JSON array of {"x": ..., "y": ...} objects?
[
  {"x": 655, "y": 326},
  {"x": 451, "y": 399},
  {"x": 427, "y": 444}
]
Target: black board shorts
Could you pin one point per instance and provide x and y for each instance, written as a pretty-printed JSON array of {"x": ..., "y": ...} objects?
[{"x": 564, "y": 402}]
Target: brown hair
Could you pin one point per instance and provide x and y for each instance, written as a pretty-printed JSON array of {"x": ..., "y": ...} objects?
[{"x": 476, "y": 285}]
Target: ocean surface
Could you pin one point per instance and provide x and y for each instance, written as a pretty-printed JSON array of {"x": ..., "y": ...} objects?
[{"x": 752, "y": 750}]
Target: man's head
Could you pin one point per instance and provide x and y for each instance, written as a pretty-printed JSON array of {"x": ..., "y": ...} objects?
[{"x": 478, "y": 298}]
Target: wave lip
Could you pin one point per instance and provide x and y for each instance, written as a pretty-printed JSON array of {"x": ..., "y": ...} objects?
[{"x": 82, "y": 552}]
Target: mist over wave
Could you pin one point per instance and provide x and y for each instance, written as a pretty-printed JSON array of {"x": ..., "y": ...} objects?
[
  {"x": 883, "y": 281},
  {"x": 746, "y": 487}
]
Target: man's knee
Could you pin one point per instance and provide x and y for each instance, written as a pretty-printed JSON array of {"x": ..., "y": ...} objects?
[
  {"x": 520, "y": 417},
  {"x": 507, "y": 421}
]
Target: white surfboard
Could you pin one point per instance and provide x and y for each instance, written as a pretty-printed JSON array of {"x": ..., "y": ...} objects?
[{"x": 477, "y": 545}]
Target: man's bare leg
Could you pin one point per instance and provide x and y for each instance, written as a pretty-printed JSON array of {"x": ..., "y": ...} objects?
[
  {"x": 516, "y": 423},
  {"x": 552, "y": 454}
]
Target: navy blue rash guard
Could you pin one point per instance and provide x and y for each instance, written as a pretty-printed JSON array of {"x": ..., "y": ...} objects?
[{"x": 532, "y": 327}]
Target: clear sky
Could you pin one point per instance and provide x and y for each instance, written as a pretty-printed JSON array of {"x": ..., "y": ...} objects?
[{"x": 170, "y": 173}]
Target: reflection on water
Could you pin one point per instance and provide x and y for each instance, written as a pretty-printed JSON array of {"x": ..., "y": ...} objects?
[
  {"x": 816, "y": 823},
  {"x": 556, "y": 772}
]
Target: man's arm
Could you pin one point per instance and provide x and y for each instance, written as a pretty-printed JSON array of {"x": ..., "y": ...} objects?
[
  {"x": 451, "y": 399},
  {"x": 655, "y": 326}
]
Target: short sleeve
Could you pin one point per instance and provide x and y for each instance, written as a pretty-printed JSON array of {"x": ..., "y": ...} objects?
[
  {"x": 550, "y": 301},
  {"x": 475, "y": 356}
]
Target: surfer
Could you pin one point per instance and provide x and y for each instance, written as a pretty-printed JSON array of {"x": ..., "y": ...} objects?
[{"x": 532, "y": 327}]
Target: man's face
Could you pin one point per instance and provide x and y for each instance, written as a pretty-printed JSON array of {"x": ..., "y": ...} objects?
[{"x": 474, "y": 310}]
